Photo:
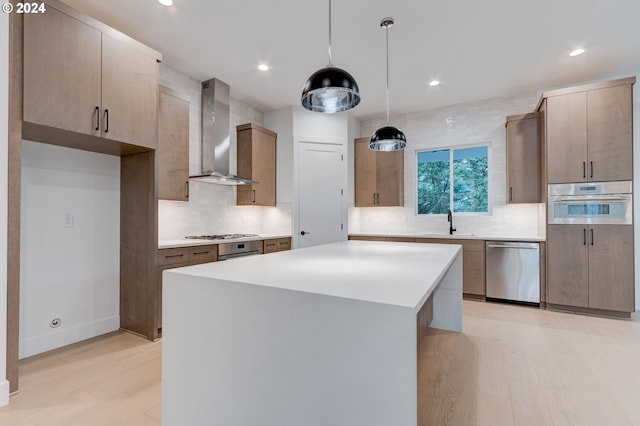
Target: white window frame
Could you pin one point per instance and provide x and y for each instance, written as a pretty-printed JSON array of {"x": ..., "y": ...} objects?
[{"x": 452, "y": 148}]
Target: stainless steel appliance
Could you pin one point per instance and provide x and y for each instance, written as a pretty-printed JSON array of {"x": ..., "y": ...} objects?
[
  {"x": 590, "y": 203},
  {"x": 238, "y": 249},
  {"x": 513, "y": 271}
]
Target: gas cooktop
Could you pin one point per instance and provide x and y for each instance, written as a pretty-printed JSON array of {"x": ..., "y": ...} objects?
[{"x": 220, "y": 236}]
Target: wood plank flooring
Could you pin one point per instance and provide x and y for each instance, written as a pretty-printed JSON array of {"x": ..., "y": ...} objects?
[
  {"x": 109, "y": 380},
  {"x": 512, "y": 365},
  {"x": 516, "y": 365}
]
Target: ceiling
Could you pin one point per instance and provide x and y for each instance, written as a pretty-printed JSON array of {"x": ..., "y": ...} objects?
[{"x": 477, "y": 49}]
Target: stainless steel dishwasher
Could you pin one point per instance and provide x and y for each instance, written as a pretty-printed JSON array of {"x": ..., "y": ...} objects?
[{"x": 513, "y": 271}]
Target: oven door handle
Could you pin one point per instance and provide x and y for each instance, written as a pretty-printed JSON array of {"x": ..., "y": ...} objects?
[{"x": 576, "y": 199}]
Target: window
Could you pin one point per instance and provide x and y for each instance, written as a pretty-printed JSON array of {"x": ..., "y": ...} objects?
[{"x": 469, "y": 178}]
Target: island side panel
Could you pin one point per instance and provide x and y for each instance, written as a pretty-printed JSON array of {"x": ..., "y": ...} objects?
[
  {"x": 447, "y": 298},
  {"x": 240, "y": 354}
]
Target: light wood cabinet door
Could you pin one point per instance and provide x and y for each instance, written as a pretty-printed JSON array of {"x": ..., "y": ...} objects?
[
  {"x": 609, "y": 132},
  {"x": 523, "y": 159},
  {"x": 473, "y": 273},
  {"x": 390, "y": 178},
  {"x": 129, "y": 94},
  {"x": 379, "y": 176},
  {"x": 256, "y": 161},
  {"x": 62, "y": 72},
  {"x": 365, "y": 174},
  {"x": 173, "y": 147},
  {"x": 611, "y": 282},
  {"x": 568, "y": 265},
  {"x": 566, "y": 127}
]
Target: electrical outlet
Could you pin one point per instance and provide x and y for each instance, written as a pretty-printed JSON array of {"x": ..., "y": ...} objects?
[{"x": 68, "y": 220}]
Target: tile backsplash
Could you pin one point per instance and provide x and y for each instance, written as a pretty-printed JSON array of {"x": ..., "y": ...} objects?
[{"x": 211, "y": 208}]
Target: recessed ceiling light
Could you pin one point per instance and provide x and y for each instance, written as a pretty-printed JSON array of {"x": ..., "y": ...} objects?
[
  {"x": 434, "y": 83},
  {"x": 576, "y": 52},
  {"x": 166, "y": 2},
  {"x": 263, "y": 67}
]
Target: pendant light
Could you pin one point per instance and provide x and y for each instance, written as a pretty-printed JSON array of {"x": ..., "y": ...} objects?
[
  {"x": 330, "y": 89},
  {"x": 387, "y": 138}
]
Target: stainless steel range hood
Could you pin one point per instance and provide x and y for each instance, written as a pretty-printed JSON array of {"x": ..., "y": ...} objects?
[{"x": 215, "y": 136}]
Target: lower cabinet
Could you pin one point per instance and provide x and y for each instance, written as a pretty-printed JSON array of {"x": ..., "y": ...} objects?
[
  {"x": 591, "y": 266},
  {"x": 276, "y": 244},
  {"x": 186, "y": 256},
  {"x": 181, "y": 256},
  {"x": 473, "y": 277}
]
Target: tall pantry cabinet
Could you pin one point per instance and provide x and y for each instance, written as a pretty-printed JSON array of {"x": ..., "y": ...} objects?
[
  {"x": 77, "y": 83},
  {"x": 588, "y": 138}
]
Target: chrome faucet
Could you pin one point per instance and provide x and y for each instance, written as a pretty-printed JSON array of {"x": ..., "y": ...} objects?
[{"x": 450, "y": 220}]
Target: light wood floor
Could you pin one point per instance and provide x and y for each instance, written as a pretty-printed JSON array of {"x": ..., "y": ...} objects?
[{"x": 512, "y": 365}]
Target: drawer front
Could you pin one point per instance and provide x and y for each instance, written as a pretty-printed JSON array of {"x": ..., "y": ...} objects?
[
  {"x": 203, "y": 254},
  {"x": 173, "y": 256},
  {"x": 270, "y": 246},
  {"x": 284, "y": 244},
  {"x": 366, "y": 238}
]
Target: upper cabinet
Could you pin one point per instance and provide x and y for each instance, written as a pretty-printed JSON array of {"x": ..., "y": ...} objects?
[
  {"x": 173, "y": 146},
  {"x": 524, "y": 182},
  {"x": 588, "y": 132},
  {"x": 256, "y": 161},
  {"x": 379, "y": 176},
  {"x": 86, "y": 78}
]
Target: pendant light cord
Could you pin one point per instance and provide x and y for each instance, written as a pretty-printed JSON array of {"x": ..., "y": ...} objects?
[
  {"x": 330, "y": 58},
  {"x": 387, "y": 32}
]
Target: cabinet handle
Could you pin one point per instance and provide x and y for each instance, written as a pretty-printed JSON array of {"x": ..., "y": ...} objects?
[
  {"x": 591, "y": 236},
  {"x": 374, "y": 198},
  {"x": 584, "y": 236},
  {"x": 106, "y": 120},
  {"x": 254, "y": 196},
  {"x": 591, "y": 166},
  {"x": 378, "y": 197},
  {"x": 195, "y": 253},
  {"x": 186, "y": 189},
  {"x": 97, "y": 118},
  {"x": 169, "y": 256},
  {"x": 584, "y": 169},
  {"x": 511, "y": 193}
]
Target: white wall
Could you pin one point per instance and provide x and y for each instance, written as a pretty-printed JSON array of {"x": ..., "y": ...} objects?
[
  {"x": 69, "y": 271},
  {"x": 4, "y": 113},
  {"x": 211, "y": 208},
  {"x": 469, "y": 123}
]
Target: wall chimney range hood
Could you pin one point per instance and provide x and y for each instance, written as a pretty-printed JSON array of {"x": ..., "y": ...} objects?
[{"x": 215, "y": 136}]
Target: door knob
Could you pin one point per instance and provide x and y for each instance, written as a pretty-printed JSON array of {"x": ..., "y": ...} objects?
[{"x": 304, "y": 233}]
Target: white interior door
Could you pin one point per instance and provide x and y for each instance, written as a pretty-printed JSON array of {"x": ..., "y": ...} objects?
[{"x": 320, "y": 194}]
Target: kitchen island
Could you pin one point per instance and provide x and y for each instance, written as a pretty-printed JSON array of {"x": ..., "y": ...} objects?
[{"x": 325, "y": 335}]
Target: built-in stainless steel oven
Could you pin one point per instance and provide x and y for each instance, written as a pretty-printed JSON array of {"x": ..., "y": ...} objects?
[
  {"x": 590, "y": 203},
  {"x": 238, "y": 249}
]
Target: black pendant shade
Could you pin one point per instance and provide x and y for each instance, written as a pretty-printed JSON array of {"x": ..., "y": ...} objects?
[
  {"x": 330, "y": 90},
  {"x": 387, "y": 138}
]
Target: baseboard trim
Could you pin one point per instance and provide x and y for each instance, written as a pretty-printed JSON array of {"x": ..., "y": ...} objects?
[
  {"x": 66, "y": 336},
  {"x": 4, "y": 392}
]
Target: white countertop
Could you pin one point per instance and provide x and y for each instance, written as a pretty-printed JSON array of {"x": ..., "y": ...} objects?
[
  {"x": 382, "y": 272},
  {"x": 455, "y": 236},
  {"x": 162, "y": 244}
]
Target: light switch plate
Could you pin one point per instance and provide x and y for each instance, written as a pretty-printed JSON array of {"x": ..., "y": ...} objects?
[{"x": 68, "y": 220}]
